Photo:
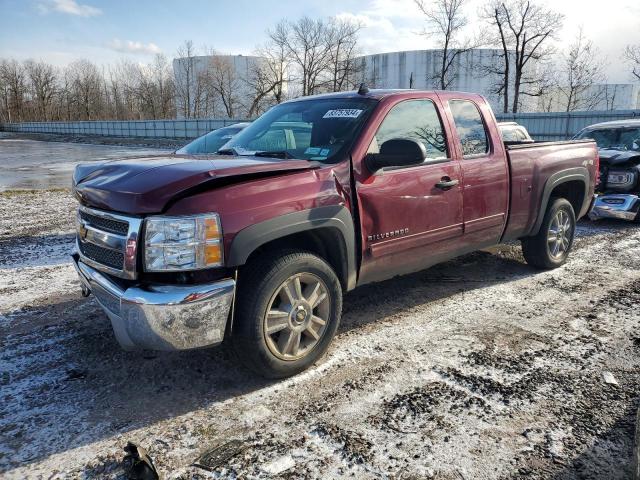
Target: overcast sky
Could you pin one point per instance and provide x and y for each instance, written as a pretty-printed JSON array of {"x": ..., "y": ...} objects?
[{"x": 60, "y": 31}]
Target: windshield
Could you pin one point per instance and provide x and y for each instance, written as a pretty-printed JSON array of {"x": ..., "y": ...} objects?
[
  {"x": 615, "y": 138},
  {"x": 211, "y": 142},
  {"x": 316, "y": 129}
]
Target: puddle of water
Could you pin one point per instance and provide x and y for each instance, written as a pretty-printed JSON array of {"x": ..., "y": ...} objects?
[{"x": 35, "y": 164}]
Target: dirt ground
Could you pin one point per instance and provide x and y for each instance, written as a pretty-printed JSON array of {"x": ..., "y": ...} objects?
[{"x": 479, "y": 368}]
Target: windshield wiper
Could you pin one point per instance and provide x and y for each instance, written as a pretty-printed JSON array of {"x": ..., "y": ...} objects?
[{"x": 275, "y": 154}]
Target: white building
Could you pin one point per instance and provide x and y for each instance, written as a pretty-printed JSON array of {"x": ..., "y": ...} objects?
[
  {"x": 196, "y": 74},
  {"x": 419, "y": 69},
  {"x": 604, "y": 96}
]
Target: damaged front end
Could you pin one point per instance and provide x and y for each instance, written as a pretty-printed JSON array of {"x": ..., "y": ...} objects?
[{"x": 619, "y": 188}]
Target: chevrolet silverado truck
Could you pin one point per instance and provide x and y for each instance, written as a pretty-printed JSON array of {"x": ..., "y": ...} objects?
[
  {"x": 618, "y": 191},
  {"x": 256, "y": 243}
]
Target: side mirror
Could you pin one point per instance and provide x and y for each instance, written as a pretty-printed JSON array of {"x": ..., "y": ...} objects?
[{"x": 397, "y": 152}]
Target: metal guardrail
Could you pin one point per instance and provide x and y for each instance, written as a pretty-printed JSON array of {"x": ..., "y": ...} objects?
[
  {"x": 541, "y": 125},
  {"x": 138, "y": 128}
]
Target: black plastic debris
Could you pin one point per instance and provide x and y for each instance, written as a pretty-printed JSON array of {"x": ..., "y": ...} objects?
[
  {"x": 220, "y": 455},
  {"x": 76, "y": 374},
  {"x": 138, "y": 464}
]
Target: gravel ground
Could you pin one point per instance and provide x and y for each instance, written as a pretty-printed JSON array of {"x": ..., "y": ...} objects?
[{"x": 479, "y": 368}]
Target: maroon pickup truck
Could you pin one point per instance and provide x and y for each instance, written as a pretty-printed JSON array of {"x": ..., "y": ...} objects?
[{"x": 257, "y": 242}]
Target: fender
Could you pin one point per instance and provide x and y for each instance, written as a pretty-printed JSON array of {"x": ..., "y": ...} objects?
[
  {"x": 570, "y": 174},
  {"x": 338, "y": 217}
]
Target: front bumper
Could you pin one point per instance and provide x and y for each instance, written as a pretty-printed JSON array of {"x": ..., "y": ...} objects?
[
  {"x": 161, "y": 317},
  {"x": 614, "y": 205}
]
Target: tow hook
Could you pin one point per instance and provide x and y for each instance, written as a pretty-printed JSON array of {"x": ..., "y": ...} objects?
[{"x": 85, "y": 291}]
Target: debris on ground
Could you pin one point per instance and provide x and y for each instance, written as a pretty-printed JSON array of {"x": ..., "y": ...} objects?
[
  {"x": 138, "y": 464},
  {"x": 609, "y": 378},
  {"x": 220, "y": 455}
]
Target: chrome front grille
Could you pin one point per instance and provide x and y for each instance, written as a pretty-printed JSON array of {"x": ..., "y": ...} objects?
[
  {"x": 108, "y": 241},
  {"x": 108, "y": 225},
  {"x": 105, "y": 256}
]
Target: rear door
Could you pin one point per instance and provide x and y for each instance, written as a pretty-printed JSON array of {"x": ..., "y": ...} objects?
[
  {"x": 408, "y": 221},
  {"x": 485, "y": 180}
]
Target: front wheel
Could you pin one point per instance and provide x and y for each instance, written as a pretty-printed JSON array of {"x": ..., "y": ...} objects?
[
  {"x": 287, "y": 311},
  {"x": 550, "y": 247}
]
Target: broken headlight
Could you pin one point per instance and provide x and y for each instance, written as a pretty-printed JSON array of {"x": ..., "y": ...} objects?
[{"x": 182, "y": 243}]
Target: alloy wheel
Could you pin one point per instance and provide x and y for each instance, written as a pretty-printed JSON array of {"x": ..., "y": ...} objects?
[
  {"x": 297, "y": 316},
  {"x": 560, "y": 234}
]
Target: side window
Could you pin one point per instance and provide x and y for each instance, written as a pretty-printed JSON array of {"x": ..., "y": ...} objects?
[
  {"x": 416, "y": 120},
  {"x": 470, "y": 127}
]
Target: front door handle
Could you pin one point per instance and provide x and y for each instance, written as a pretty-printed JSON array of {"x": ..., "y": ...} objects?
[{"x": 446, "y": 183}]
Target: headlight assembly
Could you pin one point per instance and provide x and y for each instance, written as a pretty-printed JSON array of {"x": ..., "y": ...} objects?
[{"x": 182, "y": 243}]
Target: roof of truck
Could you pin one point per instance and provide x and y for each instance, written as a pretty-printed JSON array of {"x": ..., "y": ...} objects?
[{"x": 376, "y": 93}]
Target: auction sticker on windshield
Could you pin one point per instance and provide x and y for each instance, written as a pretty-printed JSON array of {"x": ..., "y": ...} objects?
[{"x": 343, "y": 113}]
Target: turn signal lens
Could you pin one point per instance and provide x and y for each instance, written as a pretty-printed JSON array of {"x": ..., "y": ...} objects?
[
  {"x": 213, "y": 254},
  {"x": 212, "y": 228}
]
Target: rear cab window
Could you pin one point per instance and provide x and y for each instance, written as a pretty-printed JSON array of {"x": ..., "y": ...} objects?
[{"x": 472, "y": 132}]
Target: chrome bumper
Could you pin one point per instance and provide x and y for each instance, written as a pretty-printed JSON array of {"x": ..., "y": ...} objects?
[
  {"x": 161, "y": 317},
  {"x": 613, "y": 205}
]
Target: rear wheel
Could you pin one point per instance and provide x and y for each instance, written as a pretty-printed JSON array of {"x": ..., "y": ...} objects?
[
  {"x": 550, "y": 247},
  {"x": 287, "y": 311}
]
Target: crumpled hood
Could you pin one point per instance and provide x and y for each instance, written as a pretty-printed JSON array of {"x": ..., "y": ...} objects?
[
  {"x": 614, "y": 157},
  {"x": 141, "y": 185}
]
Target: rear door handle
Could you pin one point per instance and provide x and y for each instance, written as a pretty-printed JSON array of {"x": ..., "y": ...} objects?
[{"x": 446, "y": 183}]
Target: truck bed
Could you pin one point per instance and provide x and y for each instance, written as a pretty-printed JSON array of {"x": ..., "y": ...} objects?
[{"x": 542, "y": 160}]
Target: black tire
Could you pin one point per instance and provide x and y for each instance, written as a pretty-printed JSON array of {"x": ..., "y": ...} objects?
[
  {"x": 536, "y": 249},
  {"x": 258, "y": 283}
]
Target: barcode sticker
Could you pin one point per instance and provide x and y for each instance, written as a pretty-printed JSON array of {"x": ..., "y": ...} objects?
[{"x": 343, "y": 113}]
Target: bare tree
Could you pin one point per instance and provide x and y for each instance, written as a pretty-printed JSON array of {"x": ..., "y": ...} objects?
[
  {"x": 522, "y": 29},
  {"x": 36, "y": 90},
  {"x": 582, "y": 70},
  {"x": 610, "y": 92},
  {"x": 309, "y": 48},
  {"x": 162, "y": 76},
  {"x": 186, "y": 77},
  {"x": 86, "y": 89},
  {"x": 5, "y": 111},
  {"x": 43, "y": 80},
  {"x": 343, "y": 65},
  {"x": 278, "y": 59},
  {"x": 225, "y": 82},
  {"x": 446, "y": 21},
  {"x": 632, "y": 56},
  {"x": 266, "y": 82},
  {"x": 14, "y": 81}
]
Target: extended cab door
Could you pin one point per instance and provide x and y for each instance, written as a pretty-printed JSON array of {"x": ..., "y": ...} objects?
[
  {"x": 485, "y": 176},
  {"x": 411, "y": 217}
]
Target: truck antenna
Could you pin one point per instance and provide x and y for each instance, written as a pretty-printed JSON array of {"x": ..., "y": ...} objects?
[{"x": 363, "y": 90}]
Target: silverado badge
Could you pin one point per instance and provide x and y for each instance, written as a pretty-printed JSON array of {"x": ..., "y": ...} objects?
[{"x": 385, "y": 235}]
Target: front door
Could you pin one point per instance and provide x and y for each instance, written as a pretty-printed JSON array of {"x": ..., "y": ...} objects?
[{"x": 411, "y": 216}]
